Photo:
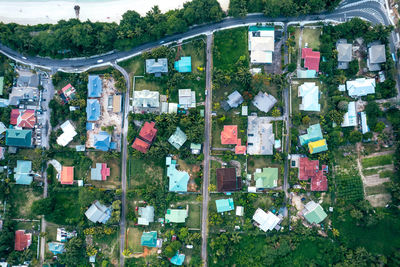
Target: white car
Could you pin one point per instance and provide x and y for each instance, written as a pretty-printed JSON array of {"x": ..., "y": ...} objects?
[{"x": 100, "y": 61}]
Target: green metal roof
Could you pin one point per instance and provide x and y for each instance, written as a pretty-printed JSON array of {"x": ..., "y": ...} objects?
[
  {"x": 195, "y": 146},
  {"x": 268, "y": 178},
  {"x": 149, "y": 239},
  {"x": 316, "y": 215},
  {"x": 21, "y": 138},
  {"x": 176, "y": 215},
  {"x": 314, "y": 133},
  {"x": 178, "y": 138},
  {"x": 261, "y": 28},
  {"x": 22, "y": 172},
  {"x": 1, "y": 85},
  {"x": 224, "y": 204}
]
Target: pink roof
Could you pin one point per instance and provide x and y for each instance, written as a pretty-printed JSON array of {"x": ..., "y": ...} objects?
[
  {"x": 22, "y": 240},
  {"x": 140, "y": 145},
  {"x": 67, "y": 175},
  {"x": 311, "y": 59},
  {"x": 14, "y": 116},
  {"x": 105, "y": 172},
  {"x": 319, "y": 182},
  {"x": 229, "y": 135},
  {"x": 239, "y": 149},
  {"x": 148, "y": 132}
]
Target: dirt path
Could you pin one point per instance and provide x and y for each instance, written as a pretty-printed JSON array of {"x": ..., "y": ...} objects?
[
  {"x": 359, "y": 166},
  {"x": 374, "y": 180}
]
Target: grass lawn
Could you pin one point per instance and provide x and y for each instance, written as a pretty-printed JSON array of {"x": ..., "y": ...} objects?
[
  {"x": 229, "y": 118},
  {"x": 134, "y": 235},
  {"x": 378, "y": 189},
  {"x": 229, "y": 46},
  {"x": 80, "y": 162},
  {"x": 311, "y": 36},
  {"x": 67, "y": 211},
  {"x": 377, "y": 161},
  {"x": 258, "y": 162},
  {"x": 51, "y": 230},
  {"x": 23, "y": 198},
  {"x": 194, "y": 216},
  {"x": 371, "y": 171},
  {"x": 114, "y": 180},
  {"x": 134, "y": 66},
  {"x": 213, "y": 172},
  {"x": 109, "y": 245},
  {"x": 141, "y": 172}
]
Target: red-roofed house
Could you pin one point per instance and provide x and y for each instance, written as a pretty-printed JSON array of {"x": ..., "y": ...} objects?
[
  {"x": 239, "y": 149},
  {"x": 148, "y": 132},
  {"x": 105, "y": 172},
  {"x": 67, "y": 93},
  {"x": 311, "y": 59},
  {"x": 22, "y": 240},
  {"x": 140, "y": 145},
  {"x": 229, "y": 135},
  {"x": 319, "y": 182},
  {"x": 67, "y": 175},
  {"x": 23, "y": 118},
  {"x": 309, "y": 169}
]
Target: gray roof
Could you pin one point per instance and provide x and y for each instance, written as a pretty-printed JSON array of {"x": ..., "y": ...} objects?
[
  {"x": 344, "y": 52},
  {"x": 377, "y": 54},
  {"x": 27, "y": 79},
  {"x": 260, "y": 137},
  {"x": 156, "y": 65},
  {"x": 264, "y": 101},
  {"x": 23, "y": 93},
  {"x": 235, "y": 99},
  {"x": 98, "y": 213},
  {"x": 146, "y": 99},
  {"x": 146, "y": 215}
]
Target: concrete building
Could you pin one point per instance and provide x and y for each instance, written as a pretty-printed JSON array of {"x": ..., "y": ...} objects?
[
  {"x": 264, "y": 102},
  {"x": 157, "y": 66},
  {"x": 261, "y": 44},
  {"x": 376, "y": 56},
  {"x": 68, "y": 133},
  {"x": 146, "y": 101},
  {"x": 345, "y": 52},
  {"x": 187, "y": 98},
  {"x": 266, "y": 221},
  {"x": 260, "y": 137}
]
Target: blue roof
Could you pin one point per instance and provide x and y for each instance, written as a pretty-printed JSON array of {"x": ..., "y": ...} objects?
[
  {"x": 178, "y": 259},
  {"x": 22, "y": 172},
  {"x": 95, "y": 86},
  {"x": 184, "y": 64},
  {"x": 149, "y": 239},
  {"x": 93, "y": 110},
  {"x": 302, "y": 74},
  {"x": 4, "y": 102},
  {"x": 178, "y": 180},
  {"x": 113, "y": 145},
  {"x": 56, "y": 248},
  {"x": 102, "y": 141},
  {"x": 89, "y": 126},
  {"x": 224, "y": 204}
]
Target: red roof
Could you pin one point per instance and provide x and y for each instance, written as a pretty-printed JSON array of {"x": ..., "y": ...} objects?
[
  {"x": 104, "y": 171},
  {"x": 308, "y": 168},
  {"x": 239, "y": 149},
  {"x": 14, "y": 116},
  {"x": 148, "y": 132},
  {"x": 311, "y": 59},
  {"x": 67, "y": 175},
  {"x": 23, "y": 118},
  {"x": 229, "y": 135},
  {"x": 319, "y": 182},
  {"x": 140, "y": 145},
  {"x": 22, "y": 240}
]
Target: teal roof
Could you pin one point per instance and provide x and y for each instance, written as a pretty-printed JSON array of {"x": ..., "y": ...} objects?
[
  {"x": 176, "y": 215},
  {"x": 184, "y": 64},
  {"x": 178, "y": 180},
  {"x": 268, "y": 178},
  {"x": 304, "y": 74},
  {"x": 21, "y": 138},
  {"x": 178, "y": 259},
  {"x": 314, "y": 133},
  {"x": 1, "y": 85},
  {"x": 56, "y": 247},
  {"x": 149, "y": 239},
  {"x": 22, "y": 172},
  {"x": 309, "y": 92},
  {"x": 261, "y": 28},
  {"x": 178, "y": 138},
  {"x": 224, "y": 205}
]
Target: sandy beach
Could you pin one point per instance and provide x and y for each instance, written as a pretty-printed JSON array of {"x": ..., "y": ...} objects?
[{"x": 37, "y": 12}]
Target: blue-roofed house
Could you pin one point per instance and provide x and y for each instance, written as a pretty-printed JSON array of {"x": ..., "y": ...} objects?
[
  {"x": 89, "y": 126},
  {"x": 306, "y": 74},
  {"x": 184, "y": 64},
  {"x": 101, "y": 141},
  {"x": 149, "y": 239},
  {"x": 93, "y": 110},
  {"x": 95, "y": 86},
  {"x": 224, "y": 205},
  {"x": 56, "y": 247},
  {"x": 178, "y": 180},
  {"x": 178, "y": 259},
  {"x": 23, "y": 171},
  {"x": 157, "y": 66},
  {"x": 4, "y": 102},
  {"x": 309, "y": 93}
]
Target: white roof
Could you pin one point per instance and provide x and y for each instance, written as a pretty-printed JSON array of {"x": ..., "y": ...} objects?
[
  {"x": 364, "y": 125},
  {"x": 68, "y": 133},
  {"x": 239, "y": 210},
  {"x": 146, "y": 99},
  {"x": 261, "y": 57},
  {"x": 266, "y": 221},
  {"x": 260, "y": 137},
  {"x": 172, "y": 107},
  {"x": 98, "y": 213},
  {"x": 342, "y": 87},
  {"x": 350, "y": 118},
  {"x": 310, "y": 96},
  {"x": 245, "y": 110},
  {"x": 361, "y": 87},
  {"x": 261, "y": 46},
  {"x": 187, "y": 98}
]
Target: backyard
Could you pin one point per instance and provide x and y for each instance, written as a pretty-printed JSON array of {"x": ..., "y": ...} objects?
[{"x": 141, "y": 171}]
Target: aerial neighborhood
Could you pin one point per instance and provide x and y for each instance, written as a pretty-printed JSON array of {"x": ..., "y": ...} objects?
[{"x": 265, "y": 140}]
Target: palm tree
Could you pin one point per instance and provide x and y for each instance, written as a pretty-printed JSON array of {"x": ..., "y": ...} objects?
[{"x": 235, "y": 238}]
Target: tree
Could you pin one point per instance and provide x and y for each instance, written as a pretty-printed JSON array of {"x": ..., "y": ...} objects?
[
  {"x": 355, "y": 137},
  {"x": 276, "y": 112},
  {"x": 343, "y": 105},
  {"x": 379, "y": 127},
  {"x": 43, "y": 206},
  {"x": 306, "y": 120},
  {"x": 74, "y": 254}
]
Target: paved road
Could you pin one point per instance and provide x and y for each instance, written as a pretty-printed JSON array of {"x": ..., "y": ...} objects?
[{"x": 206, "y": 151}]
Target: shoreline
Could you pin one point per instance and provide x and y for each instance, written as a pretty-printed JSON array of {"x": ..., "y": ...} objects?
[{"x": 41, "y": 12}]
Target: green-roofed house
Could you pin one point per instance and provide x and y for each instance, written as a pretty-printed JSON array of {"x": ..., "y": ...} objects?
[
  {"x": 22, "y": 173},
  {"x": 1, "y": 85},
  {"x": 224, "y": 205},
  {"x": 19, "y": 138},
  {"x": 184, "y": 64},
  {"x": 314, "y": 133},
  {"x": 178, "y": 138},
  {"x": 176, "y": 215},
  {"x": 267, "y": 178},
  {"x": 178, "y": 180},
  {"x": 149, "y": 239},
  {"x": 314, "y": 213}
]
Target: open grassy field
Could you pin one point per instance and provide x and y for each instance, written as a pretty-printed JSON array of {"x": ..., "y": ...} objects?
[
  {"x": 377, "y": 161},
  {"x": 310, "y": 36},
  {"x": 51, "y": 230},
  {"x": 114, "y": 180},
  {"x": 213, "y": 174},
  {"x": 134, "y": 235},
  {"x": 141, "y": 172},
  {"x": 194, "y": 216},
  {"x": 378, "y": 189},
  {"x": 134, "y": 66},
  {"x": 66, "y": 211},
  {"x": 23, "y": 198}
]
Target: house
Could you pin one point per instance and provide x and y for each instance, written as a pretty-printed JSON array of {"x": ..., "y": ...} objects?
[
  {"x": 56, "y": 247},
  {"x": 157, "y": 66},
  {"x": 264, "y": 102},
  {"x": 227, "y": 181},
  {"x": 176, "y": 215},
  {"x": 234, "y": 100},
  {"x": 102, "y": 141},
  {"x": 266, "y": 221},
  {"x": 306, "y": 74},
  {"x": 267, "y": 178},
  {"x": 317, "y": 146},
  {"x": 183, "y": 65},
  {"x": 229, "y": 135},
  {"x": 260, "y": 137},
  {"x": 22, "y": 240},
  {"x": 261, "y": 44},
  {"x": 172, "y": 108},
  {"x": 64, "y": 236},
  {"x": 178, "y": 180},
  {"x": 23, "y": 94},
  {"x": 314, "y": 133},
  {"x": 195, "y": 148},
  {"x": 309, "y": 169},
  {"x": 3, "y": 128},
  {"x": 360, "y": 87},
  {"x": 178, "y": 138},
  {"x": 117, "y": 103},
  {"x": 376, "y": 56},
  {"x": 23, "y": 118},
  {"x": 149, "y": 239},
  {"x": 1, "y": 85},
  {"x": 314, "y": 213},
  {"x": 95, "y": 86},
  {"x": 350, "y": 117},
  {"x": 239, "y": 210},
  {"x": 98, "y": 213},
  {"x": 224, "y": 205},
  {"x": 146, "y": 99},
  {"x": 19, "y": 138},
  {"x": 239, "y": 149},
  {"x": 67, "y": 93},
  {"x": 67, "y": 175},
  {"x": 178, "y": 259},
  {"x": 344, "y": 56},
  {"x": 23, "y": 172},
  {"x": 140, "y": 145},
  {"x": 146, "y": 215},
  {"x": 311, "y": 59},
  {"x": 148, "y": 132},
  {"x": 100, "y": 172},
  {"x": 364, "y": 125},
  {"x": 93, "y": 110},
  {"x": 68, "y": 133},
  {"x": 310, "y": 96},
  {"x": 187, "y": 98}
]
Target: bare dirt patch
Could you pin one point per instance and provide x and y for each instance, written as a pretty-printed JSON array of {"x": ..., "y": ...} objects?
[{"x": 379, "y": 200}]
